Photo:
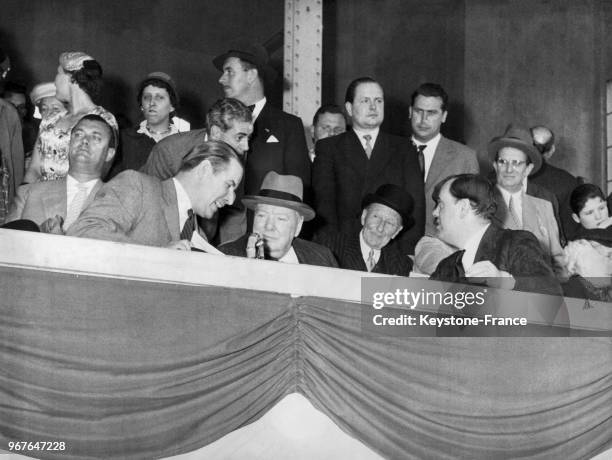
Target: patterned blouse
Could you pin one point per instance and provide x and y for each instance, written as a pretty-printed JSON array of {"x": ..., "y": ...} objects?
[{"x": 54, "y": 143}]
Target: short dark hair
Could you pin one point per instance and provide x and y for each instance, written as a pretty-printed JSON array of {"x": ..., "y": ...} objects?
[
  {"x": 112, "y": 143},
  {"x": 477, "y": 189},
  {"x": 327, "y": 108},
  {"x": 431, "y": 90},
  {"x": 583, "y": 193},
  {"x": 218, "y": 153},
  {"x": 159, "y": 83},
  {"x": 225, "y": 111},
  {"x": 352, "y": 87},
  {"x": 89, "y": 77}
]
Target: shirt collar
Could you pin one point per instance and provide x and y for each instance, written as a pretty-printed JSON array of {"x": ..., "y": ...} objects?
[
  {"x": 72, "y": 183},
  {"x": 259, "y": 105},
  {"x": 373, "y": 133},
  {"x": 143, "y": 129},
  {"x": 183, "y": 201},
  {"x": 290, "y": 257},
  {"x": 431, "y": 143},
  {"x": 506, "y": 194},
  {"x": 365, "y": 250}
]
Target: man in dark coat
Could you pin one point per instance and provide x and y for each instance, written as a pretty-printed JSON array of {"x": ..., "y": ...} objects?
[
  {"x": 384, "y": 215},
  {"x": 279, "y": 214},
  {"x": 502, "y": 258},
  {"x": 349, "y": 166}
]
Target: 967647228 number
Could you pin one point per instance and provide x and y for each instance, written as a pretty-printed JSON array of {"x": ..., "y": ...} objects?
[{"x": 29, "y": 446}]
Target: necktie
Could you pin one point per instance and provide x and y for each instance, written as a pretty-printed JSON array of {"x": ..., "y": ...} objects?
[
  {"x": 514, "y": 213},
  {"x": 371, "y": 261},
  {"x": 189, "y": 226},
  {"x": 421, "y": 157},
  {"x": 368, "y": 146},
  {"x": 76, "y": 205}
]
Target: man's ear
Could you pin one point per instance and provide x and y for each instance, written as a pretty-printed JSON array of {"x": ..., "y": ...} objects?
[
  {"x": 110, "y": 154},
  {"x": 215, "y": 132},
  {"x": 204, "y": 169},
  {"x": 528, "y": 169},
  {"x": 349, "y": 108},
  {"x": 298, "y": 227},
  {"x": 364, "y": 213},
  {"x": 444, "y": 115},
  {"x": 576, "y": 218},
  {"x": 410, "y": 113}
]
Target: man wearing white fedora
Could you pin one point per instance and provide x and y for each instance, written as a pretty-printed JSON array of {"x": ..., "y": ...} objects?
[{"x": 279, "y": 214}]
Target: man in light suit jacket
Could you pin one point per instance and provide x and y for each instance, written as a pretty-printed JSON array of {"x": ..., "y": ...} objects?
[
  {"x": 515, "y": 158},
  {"x": 373, "y": 249},
  {"x": 440, "y": 157},
  {"x": 350, "y": 165},
  {"x": 55, "y": 205},
  {"x": 137, "y": 208},
  {"x": 279, "y": 214}
]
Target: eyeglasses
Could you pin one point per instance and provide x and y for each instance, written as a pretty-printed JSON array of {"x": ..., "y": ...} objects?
[{"x": 514, "y": 164}]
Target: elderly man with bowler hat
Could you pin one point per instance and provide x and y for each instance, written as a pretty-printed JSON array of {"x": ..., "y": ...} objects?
[
  {"x": 384, "y": 215},
  {"x": 514, "y": 159},
  {"x": 279, "y": 212}
]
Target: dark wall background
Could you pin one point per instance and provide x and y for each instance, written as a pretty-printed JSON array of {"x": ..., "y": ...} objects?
[
  {"x": 135, "y": 37},
  {"x": 501, "y": 61},
  {"x": 527, "y": 61}
]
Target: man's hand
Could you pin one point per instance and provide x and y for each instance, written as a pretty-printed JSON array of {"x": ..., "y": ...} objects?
[
  {"x": 181, "y": 245},
  {"x": 53, "y": 225},
  {"x": 487, "y": 272}
]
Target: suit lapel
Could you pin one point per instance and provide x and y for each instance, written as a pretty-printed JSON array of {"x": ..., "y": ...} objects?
[
  {"x": 354, "y": 154},
  {"x": 353, "y": 257},
  {"x": 442, "y": 157},
  {"x": 92, "y": 194},
  {"x": 170, "y": 208},
  {"x": 380, "y": 155}
]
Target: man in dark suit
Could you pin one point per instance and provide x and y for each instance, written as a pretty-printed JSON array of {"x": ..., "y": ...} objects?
[
  {"x": 439, "y": 157},
  {"x": 384, "y": 215},
  {"x": 279, "y": 214},
  {"x": 278, "y": 142},
  {"x": 349, "y": 166},
  {"x": 502, "y": 258},
  {"x": 557, "y": 180},
  {"x": 55, "y": 205},
  {"x": 141, "y": 209}
]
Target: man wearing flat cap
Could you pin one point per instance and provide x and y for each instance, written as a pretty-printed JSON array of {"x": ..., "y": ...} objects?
[
  {"x": 514, "y": 159},
  {"x": 384, "y": 215},
  {"x": 279, "y": 214},
  {"x": 278, "y": 142}
]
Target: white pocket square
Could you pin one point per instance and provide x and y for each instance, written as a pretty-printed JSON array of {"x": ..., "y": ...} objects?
[{"x": 272, "y": 139}]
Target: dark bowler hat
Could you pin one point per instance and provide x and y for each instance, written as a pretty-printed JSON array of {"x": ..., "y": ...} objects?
[
  {"x": 254, "y": 53},
  {"x": 395, "y": 198},
  {"x": 279, "y": 190},
  {"x": 520, "y": 138}
]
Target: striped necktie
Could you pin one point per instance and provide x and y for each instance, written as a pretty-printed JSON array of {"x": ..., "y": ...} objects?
[
  {"x": 76, "y": 206},
  {"x": 368, "y": 146},
  {"x": 514, "y": 213},
  {"x": 189, "y": 226},
  {"x": 371, "y": 261}
]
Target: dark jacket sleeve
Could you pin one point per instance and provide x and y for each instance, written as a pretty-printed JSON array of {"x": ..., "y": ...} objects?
[
  {"x": 415, "y": 186},
  {"x": 296, "y": 158},
  {"x": 324, "y": 184}
]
